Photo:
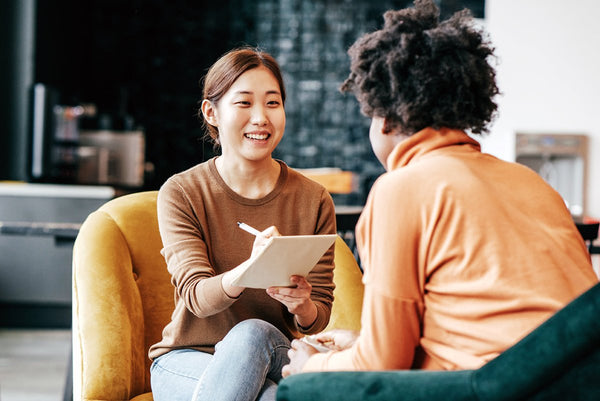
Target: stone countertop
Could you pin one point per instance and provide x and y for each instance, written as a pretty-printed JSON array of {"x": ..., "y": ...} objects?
[
  {"x": 22, "y": 189},
  {"x": 58, "y": 230}
]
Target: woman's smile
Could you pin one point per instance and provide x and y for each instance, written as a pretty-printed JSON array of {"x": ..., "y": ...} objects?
[{"x": 260, "y": 135}]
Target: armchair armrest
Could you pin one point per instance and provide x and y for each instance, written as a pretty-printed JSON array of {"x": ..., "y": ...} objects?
[{"x": 414, "y": 385}]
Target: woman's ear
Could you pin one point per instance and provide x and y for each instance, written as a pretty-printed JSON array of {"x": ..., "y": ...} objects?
[
  {"x": 389, "y": 128},
  {"x": 209, "y": 111},
  {"x": 386, "y": 127}
]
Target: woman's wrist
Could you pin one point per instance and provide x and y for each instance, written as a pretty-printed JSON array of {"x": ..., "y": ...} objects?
[
  {"x": 231, "y": 290},
  {"x": 307, "y": 318}
]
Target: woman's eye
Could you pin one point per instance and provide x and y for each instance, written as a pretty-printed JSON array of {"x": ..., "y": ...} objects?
[
  {"x": 243, "y": 103},
  {"x": 273, "y": 103}
]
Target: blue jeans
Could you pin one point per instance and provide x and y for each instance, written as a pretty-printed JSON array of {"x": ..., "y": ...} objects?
[{"x": 246, "y": 366}]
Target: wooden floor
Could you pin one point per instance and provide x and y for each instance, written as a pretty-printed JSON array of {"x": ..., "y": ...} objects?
[{"x": 33, "y": 364}]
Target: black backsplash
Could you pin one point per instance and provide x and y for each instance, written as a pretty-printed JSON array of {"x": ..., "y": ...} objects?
[{"x": 144, "y": 58}]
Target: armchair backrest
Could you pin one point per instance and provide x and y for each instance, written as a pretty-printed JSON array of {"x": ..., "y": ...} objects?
[
  {"x": 122, "y": 298},
  {"x": 348, "y": 293}
]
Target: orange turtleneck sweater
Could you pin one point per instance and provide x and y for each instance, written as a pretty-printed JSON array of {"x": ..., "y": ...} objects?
[{"x": 464, "y": 254}]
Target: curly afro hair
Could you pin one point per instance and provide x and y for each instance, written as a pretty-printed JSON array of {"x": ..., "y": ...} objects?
[{"x": 418, "y": 72}]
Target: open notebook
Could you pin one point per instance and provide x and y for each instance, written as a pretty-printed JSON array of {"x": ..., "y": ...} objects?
[{"x": 281, "y": 258}]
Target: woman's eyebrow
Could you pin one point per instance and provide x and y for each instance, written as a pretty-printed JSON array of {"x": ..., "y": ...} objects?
[{"x": 270, "y": 92}]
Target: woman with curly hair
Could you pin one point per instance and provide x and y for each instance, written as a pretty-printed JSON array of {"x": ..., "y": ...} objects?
[{"x": 463, "y": 253}]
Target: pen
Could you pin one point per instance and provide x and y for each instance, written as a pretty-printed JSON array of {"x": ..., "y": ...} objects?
[{"x": 248, "y": 229}]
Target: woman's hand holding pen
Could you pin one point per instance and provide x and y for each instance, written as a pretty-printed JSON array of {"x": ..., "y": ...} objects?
[
  {"x": 262, "y": 239},
  {"x": 260, "y": 242}
]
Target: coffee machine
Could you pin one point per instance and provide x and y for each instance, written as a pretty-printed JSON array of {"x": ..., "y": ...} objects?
[
  {"x": 62, "y": 150},
  {"x": 111, "y": 157}
]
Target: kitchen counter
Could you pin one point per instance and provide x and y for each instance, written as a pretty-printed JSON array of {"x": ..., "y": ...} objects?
[
  {"x": 57, "y": 230},
  {"x": 38, "y": 224}
]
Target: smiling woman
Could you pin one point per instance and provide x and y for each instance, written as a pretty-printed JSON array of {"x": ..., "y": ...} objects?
[
  {"x": 244, "y": 115},
  {"x": 227, "y": 70},
  {"x": 225, "y": 341},
  {"x": 249, "y": 120}
]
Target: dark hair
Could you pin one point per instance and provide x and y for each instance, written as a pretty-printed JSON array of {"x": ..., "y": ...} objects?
[
  {"x": 227, "y": 69},
  {"x": 417, "y": 72}
]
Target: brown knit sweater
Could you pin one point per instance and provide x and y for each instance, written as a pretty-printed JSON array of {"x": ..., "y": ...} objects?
[{"x": 197, "y": 215}]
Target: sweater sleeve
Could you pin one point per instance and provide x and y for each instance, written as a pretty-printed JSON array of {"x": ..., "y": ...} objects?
[
  {"x": 186, "y": 254},
  {"x": 392, "y": 305},
  {"x": 321, "y": 277},
  {"x": 377, "y": 348}
]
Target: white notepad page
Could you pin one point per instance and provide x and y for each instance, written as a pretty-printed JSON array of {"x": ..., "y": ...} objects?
[{"x": 281, "y": 258}]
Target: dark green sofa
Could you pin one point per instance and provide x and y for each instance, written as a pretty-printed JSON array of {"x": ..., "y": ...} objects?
[{"x": 559, "y": 360}]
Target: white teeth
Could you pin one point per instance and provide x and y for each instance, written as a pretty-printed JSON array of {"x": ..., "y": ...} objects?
[{"x": 257, "y": 136}]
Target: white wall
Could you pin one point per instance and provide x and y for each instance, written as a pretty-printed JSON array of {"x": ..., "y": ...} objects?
[{"x": 549, "y": 73}]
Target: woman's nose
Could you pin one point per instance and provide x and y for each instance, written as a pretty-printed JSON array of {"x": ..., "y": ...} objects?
[{"x": 259, "y": 116}]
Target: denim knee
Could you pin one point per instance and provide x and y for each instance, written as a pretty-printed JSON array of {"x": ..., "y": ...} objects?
[
  {"x": 255, "y": 328},
  {"x": 254, "y": 335},
  {"x": 257, "y": 340}
]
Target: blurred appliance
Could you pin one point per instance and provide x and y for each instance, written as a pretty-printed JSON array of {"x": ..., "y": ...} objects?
[
  {"x": 62, "y": 152},
  {"x": 561, "y": 159},
  {"x": 42, "y": 157},
  {"x": 54, "y": 136},
  {"x": 111, "y": 157}
]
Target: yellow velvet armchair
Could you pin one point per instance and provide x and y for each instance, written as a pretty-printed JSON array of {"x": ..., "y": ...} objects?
[{"x": 122, "y": 298}]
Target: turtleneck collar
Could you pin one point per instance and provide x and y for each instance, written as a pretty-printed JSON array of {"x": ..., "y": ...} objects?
[{"x": 425, "y": 141}]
